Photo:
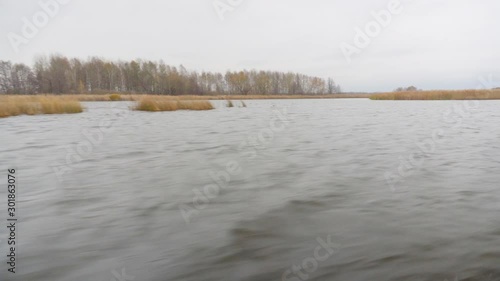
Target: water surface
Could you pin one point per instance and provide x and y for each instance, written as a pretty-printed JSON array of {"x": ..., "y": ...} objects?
[{"x": 100, "y": 191}]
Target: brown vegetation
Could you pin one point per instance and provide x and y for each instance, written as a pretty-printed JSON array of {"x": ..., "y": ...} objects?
[
  {"x": 158, "y": 103},
  {"x": 440, "y": 95},
  {"x": 135, "y": 97},
  {"x": 33, "y": 105},
  {"x": 97, "y": 97},
  {"x": 115, "y": 97}
]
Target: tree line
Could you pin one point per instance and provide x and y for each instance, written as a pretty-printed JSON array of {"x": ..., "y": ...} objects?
[
  {"x": 407, "y": 89},
  {"x": 57, "y": 74}
]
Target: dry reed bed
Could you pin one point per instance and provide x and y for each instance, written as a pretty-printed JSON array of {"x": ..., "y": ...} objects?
[
  {"x": 107, "y": 97},
  {"x": 440, "y": 95},
  {"x": 166, "y": 104},
  {"x": 34, "y": 105},
  {"x": 138, "y": 97},
  {"x": 266, "y": 97}
]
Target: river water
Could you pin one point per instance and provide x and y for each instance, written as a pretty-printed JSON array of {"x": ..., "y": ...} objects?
[{"x": 278, "y": 190}]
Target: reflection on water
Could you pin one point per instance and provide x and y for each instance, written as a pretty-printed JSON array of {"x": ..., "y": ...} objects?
[{"x": 301, "y": 198}]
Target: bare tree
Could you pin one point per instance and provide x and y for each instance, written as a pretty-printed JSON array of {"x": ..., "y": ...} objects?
[
  {"x": 5, "y": 76},
  {"x": 58, "y": 74}
]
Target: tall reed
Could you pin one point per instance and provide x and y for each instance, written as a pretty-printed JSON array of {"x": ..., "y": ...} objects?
[
  {"x": 163, "y": 104},
  {"x": 440, "y": 95},
  {"x": 34, "y": 105},
  {"x": 138, "y": 97}
]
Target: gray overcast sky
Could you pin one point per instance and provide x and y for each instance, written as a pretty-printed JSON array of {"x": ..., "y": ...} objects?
[{"x": 432, "y": 44}]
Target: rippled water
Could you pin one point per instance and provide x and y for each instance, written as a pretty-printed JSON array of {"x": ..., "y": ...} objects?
[{"x": 297, "y": 172}]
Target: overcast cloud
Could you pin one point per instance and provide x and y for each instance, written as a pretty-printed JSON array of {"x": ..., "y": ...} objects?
[{"x": 432, "y": 44}]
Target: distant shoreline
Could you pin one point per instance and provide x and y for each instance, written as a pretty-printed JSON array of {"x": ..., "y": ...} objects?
[
  {"x": 440, "y": 95},
  {"x": 36, "y": 104},
  {"x": 136, "y": 97},
  {"x": 493, "y": 94}
]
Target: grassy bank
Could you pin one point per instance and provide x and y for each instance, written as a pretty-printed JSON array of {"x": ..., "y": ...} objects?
[
  {"x": 103, "y": 97},
  {"x": 440, "y": 95},
  {"x": 34, "y": 105},
  {"x": 138, "y": 97},
  {"x": 158, "y": 103}
]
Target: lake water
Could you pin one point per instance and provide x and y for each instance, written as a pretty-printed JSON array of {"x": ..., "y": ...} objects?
[{"x": 279, "y": 190}]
